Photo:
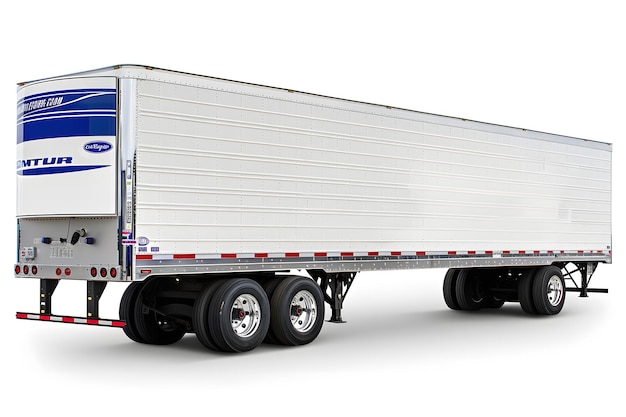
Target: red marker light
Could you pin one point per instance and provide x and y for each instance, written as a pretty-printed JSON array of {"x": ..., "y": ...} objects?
[
  {"x": 103, "y": 272},
  {"x": 68, "y": 272},
  {"x": 25, "y": 269},
  {"x": 58, "y": 271},
  {"x": 34, "y": 270},
  {"x": 94, "y": 271},
  {"x": 113, "y": 272},
  {"x": 17, "y": 269}
]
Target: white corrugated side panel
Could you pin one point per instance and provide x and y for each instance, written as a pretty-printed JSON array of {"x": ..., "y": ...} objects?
[{"x": 220, "y": 171}]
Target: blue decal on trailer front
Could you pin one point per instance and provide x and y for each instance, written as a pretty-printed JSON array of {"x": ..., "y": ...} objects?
[
  {"x": 67, "y": 113},
  {"x": 59, "y": 169}
]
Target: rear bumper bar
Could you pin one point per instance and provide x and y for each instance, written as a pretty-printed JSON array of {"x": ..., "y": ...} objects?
[{"x": 70, "y": 319}]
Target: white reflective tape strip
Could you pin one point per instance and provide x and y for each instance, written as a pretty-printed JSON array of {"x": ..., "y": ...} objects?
[
  {"x": 157, "y": 257},
  {"x": 209, "y": 256}
]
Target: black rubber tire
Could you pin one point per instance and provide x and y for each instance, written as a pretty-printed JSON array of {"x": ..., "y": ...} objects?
[
  {"x": 154, "y": 328},
  {"x": 201, "y": 315},
  {"x": 467, "y": 292},
  {"x": 281, "y": 311},
  {"x": 270, "y": 286},
  {"x": 525, "y": 291},
  {"x": 449, "y": 289},
  {"x": 127, "y": 308},
  {"x": 540, "y": 290},
  {"x": 219, "y": 315}
]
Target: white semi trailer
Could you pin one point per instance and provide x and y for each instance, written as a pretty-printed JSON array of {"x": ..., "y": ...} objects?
[{"x": 204, "y": 194}]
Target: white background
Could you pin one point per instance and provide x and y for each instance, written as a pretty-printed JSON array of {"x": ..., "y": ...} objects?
[{"x": 550, "y": 66}]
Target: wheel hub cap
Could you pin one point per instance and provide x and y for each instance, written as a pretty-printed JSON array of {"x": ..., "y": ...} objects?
[
  {"x": 303, "y": 311},
  {"x": 245, "y": 315},
  {"x": 555, "y": 291}
]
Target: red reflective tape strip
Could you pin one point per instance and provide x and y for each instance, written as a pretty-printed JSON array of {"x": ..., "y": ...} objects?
[
  {"x": 21, "y": 315},
  {"x": 44, "y": 318},
  {"x": 420, "y": 253},
  {"x": 536, "y": 252},
  {"x": 93, "y": 321},
  {"x": 320, "y": 254},
  {"x": 471, "y": 252},
  {"x": 522, "y": 252},
  {"x": 185, "y": 256},
  {"x": 488, "y": 252},
  {"x": 396, "y": 253},
  {"x": 451, "y": 252},
  {"x": 67, "y": 319},
  {"x": 580, "y": 252},
  {"x": 144, "y": 257},
  {"x": 260, "y": 255},
  {"x": 118, "y": 323},
  {"x": 372, "y": 253},
  {"x": 292, "y": 254},
  {"x": 229, "y": 255},
  {"x": 347, "y": 253},
  {"x": 550, "y": 252},
  {"x": 506, "y": 252}
]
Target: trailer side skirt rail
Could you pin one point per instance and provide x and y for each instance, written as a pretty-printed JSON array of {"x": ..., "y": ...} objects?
[{"x": 164, "y": 264}]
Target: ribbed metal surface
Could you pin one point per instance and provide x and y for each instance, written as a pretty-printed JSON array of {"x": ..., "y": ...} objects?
[{"x": 232, "y": 168}]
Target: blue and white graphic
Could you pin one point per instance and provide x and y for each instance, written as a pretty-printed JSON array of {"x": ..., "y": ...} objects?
[
  {"x": 67, "y": 113},
  {"x": 66, "y": 147}
]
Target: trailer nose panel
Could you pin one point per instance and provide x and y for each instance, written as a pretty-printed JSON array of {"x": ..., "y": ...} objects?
[{"x": 67, "y": 147}]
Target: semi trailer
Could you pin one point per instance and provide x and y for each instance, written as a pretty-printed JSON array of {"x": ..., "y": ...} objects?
[{"x": 237, "y": 211}]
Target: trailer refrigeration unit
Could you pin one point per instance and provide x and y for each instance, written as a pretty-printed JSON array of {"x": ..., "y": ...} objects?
[{"x": 204, "y": 193}]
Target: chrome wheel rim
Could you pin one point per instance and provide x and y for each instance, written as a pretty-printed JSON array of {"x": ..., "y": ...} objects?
[
  {"x": 245, "y": 315},
  {"x": 555, "y": 290},
  {"x": 303, "y": 313}
]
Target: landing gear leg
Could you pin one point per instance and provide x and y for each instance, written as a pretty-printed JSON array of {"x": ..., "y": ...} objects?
[
  {"x": 335, "y": 288},
  {"x": 585, "y": 271}
]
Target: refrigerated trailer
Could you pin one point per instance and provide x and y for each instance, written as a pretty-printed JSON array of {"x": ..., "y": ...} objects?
[{"x": 235, "y": 211}]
